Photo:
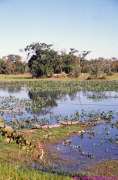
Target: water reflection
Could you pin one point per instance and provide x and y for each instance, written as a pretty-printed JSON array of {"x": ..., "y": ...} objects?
[{"x": 28, "y": 104}]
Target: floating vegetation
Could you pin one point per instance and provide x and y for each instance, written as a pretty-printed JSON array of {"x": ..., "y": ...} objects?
[{"x": 81, "y": 117}]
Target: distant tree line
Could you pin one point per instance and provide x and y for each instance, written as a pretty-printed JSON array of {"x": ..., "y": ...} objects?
[
  {"x": 100, "y": 67},
  {"x": 43, "y": 60},
  {"x": 12, "y": 64}
]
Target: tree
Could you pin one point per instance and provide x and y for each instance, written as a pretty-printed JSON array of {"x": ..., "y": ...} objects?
[
  {"x": 98, "y": 67},
  {"x": 69, "y": 61},
  {"x": 82, "y": 59},
  {"x": 20, "y": 67},
  {"x": 2, "y": 67},
  {"x": 14, "y": 64},
  {"x": 41, "y": 59},
  {"x": 114, "y": 65}
]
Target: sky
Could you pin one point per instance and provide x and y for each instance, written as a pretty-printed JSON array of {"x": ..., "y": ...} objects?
[{"x": 80, "y": 24}]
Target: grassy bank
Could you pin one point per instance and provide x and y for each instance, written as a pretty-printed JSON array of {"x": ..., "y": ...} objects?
[
  {"x": 10, "y": 172},
  {"x": 12, "y": 156},
  {"x": 13, "y": 153},
  {"x": 13, "y": 159},
  {"x": 107, "y": 168},
  {"x": 28, "y": 77},
  {"x": 54, "y": 135}
]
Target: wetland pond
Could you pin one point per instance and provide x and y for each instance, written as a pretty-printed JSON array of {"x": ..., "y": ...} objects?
[{"x": 22, "y": 107}]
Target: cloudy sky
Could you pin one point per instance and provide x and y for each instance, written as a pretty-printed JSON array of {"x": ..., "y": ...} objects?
[{"x": 81, "y": 24}]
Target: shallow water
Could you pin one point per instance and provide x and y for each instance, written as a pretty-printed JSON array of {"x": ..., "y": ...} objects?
[
  {"x": 96, "y": 145},
  {"x": 17, "y": 103}
]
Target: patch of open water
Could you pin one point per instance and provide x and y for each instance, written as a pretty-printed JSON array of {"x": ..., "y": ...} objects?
[{"x": 99, "y": 143}]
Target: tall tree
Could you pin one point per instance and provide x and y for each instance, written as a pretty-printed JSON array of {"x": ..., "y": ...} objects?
[
  {"x": 82, "y": 59},
  {"x": 41, "y": 59}
]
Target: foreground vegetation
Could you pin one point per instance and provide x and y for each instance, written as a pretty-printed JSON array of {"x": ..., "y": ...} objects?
[
  {"x": 15, "y": 151},
  {"x": 15, "y": 156},
  {"x": 16, "y": 173},
  {"x": 14, "y": 161}
]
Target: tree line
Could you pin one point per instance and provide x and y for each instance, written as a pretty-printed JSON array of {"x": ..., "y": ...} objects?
[
  {"x": 43, "y": 60},
  {"x": 12, "y": 64}
]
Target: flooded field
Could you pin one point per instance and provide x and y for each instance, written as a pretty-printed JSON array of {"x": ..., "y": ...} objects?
[{"x": 27, "y": 106}]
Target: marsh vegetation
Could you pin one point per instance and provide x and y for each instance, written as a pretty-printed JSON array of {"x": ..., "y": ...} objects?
[{"x": 62, "y": 127}]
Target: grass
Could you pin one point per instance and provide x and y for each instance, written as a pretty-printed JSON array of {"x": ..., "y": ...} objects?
[
  {"x": 28, "y": 76},
  {"x": 15, "y": 77},
  {"x": 12, "y": 157},
  {"x": 64, "y": 85},
  {"x": 12, "y": 163},
  {"x": 107, "y": 168},
  {"x": 10, "y": 172},
  {"x": 53, "y": 135},
  {"x": 11, "y": 152},
  {"x": 112, "y": 77}
]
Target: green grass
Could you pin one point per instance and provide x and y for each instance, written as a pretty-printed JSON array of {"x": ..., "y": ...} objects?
[
  {"x": 12, "y": 152},
  {"x": 12, "y": 157},
  {"x": 62, "y": 86},
  {"x": 12, "y": 163},
  {"x": 10, "y": 172},
  {"x": 56, "y": 134}
]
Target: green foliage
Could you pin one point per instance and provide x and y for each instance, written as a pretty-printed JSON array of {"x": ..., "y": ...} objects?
[
  {"x": 45, "y": 61},
  {"x": 3, "y": 67},
  {"x": 15, "y": 172},
  {"x": 42, "y": 59}
]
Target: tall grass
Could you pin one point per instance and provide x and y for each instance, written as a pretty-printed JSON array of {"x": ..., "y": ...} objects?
[{"x": 10, "y": 172}]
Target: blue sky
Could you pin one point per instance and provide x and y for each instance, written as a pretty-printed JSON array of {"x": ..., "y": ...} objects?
[{"x": 81, "y": 24}]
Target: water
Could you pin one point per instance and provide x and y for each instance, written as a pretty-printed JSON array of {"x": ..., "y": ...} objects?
[
  {"x": 18, "y": 103},
  {"x": 98, "y": 144},
  {"x": 81, "y": 101}
]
